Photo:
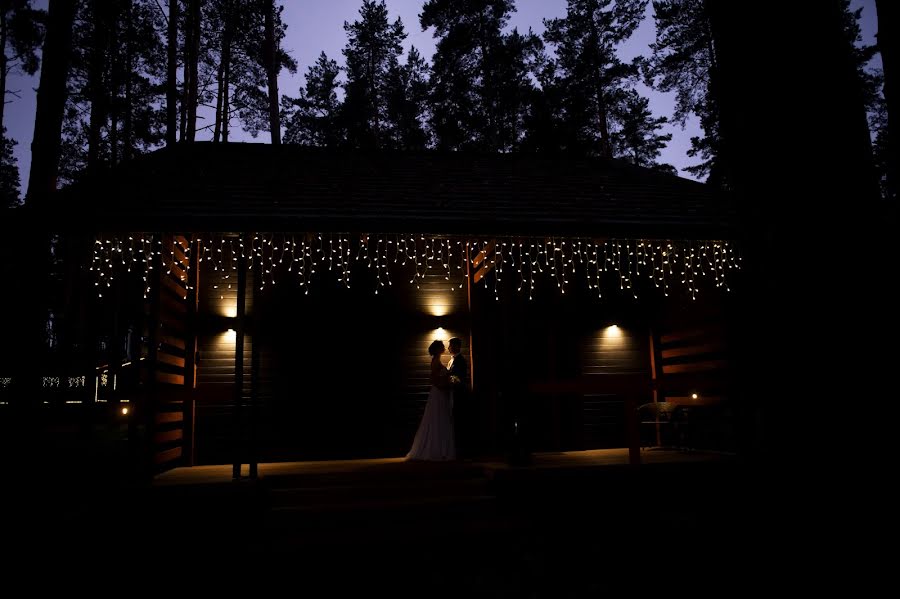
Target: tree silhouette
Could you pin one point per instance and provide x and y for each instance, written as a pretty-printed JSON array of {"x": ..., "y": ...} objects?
[
  {"x": 589, "y": 73},
  {"x": 638, "y": 139},
  {"x": 684, "y": 60},
  {"x": 21, "y": 34},
  {"x": 465, "y": 88},
  {"x": 313, "y": 119},
  {"x": 372, "y": 53},
  {"x": 9, "y": 173},
  {"x": 407, "y": 98}
]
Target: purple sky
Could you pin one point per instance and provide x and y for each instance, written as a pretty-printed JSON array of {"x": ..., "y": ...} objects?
[{"x": 317, "y": 25}]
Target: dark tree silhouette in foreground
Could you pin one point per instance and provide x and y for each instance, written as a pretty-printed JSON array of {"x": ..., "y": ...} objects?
[
  {"x": 886, "y": 144},
  {"x": 51, "y": 99},
  {"x": 21, "y": 34}
]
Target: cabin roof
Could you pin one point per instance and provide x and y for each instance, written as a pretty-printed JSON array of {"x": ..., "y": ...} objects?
[{"x": 240, "y": 186}]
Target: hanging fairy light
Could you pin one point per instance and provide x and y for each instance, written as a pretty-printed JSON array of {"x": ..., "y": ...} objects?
[{"x": 310, "y": 257}]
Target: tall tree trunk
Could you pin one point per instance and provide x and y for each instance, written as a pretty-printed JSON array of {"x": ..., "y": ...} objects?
[
  {"x": 888, "y": 16},
  {"x": 217, "y": 128},
  {"x": 221, "y": 127},
  {"x": 784, "y": 161},
  {"x": 602, "y": 110},
  {"x": 719, "y": 172},
  {"x": 226, "y": 76},
  {"x": 3, "y": 35},
  {"x": 128, "y": 104},
  {"x": 193, "y": 69},
  {"x": 487, "y": 79},
  {"x": 115, "y": 104},
  {"x": 96, "y": 68},
  {"x": 172, "y": 76},
  {"x": 51, "y": 99},
  {"x": 271, "y": 56}
]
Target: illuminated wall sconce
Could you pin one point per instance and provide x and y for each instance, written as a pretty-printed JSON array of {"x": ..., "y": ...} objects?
[
  {"x": 125, "y": 411},
  {"x": 694, "y": 396}
]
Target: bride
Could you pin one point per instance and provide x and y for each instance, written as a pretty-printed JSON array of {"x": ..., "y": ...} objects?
[{"x": 434, "y": 439}]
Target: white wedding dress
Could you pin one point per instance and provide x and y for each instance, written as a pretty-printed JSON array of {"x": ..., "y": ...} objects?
[{"x": 434, "y": 439}]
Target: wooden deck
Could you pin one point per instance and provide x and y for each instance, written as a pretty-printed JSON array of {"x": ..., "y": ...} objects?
[{"x": 392, "y": 468}]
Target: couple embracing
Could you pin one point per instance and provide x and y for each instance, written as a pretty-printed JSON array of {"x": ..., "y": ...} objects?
[{"x": 445, "y": 432}]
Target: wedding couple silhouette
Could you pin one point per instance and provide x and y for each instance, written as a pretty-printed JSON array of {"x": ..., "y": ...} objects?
[{"x": 446, "y": 429}]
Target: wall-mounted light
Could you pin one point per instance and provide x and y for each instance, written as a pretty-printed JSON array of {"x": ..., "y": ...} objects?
[
  {"x": 125, "y": 411},
  {"x": 694, "y": 396}
]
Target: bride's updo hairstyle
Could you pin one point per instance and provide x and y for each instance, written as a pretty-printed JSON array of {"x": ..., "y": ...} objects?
[{"x": 436, "y": 347}]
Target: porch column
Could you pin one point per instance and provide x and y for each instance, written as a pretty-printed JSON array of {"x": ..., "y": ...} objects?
[
  {"x": 239, "y": 365},
  {"x": 254, "y": 376},
  {"x": 190, "y": 350}
]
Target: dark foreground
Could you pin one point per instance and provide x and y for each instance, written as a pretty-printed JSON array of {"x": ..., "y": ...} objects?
[{"x": 398, "y": 529}]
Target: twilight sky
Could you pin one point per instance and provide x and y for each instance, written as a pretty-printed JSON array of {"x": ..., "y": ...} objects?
[{"x": 317, "y": 25}]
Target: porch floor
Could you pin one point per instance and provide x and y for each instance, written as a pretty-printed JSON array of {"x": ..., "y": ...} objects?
[{"x": 392, "y": 467}]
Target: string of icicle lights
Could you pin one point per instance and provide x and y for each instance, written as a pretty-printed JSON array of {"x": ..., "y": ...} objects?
[{"x": 522, "y": 262}]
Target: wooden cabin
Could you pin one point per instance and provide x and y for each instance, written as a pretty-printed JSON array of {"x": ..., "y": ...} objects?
[{"x": 252, "y": 303}]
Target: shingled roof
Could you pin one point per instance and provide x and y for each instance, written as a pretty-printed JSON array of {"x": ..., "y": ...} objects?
[{"x": 238, "y": 187}]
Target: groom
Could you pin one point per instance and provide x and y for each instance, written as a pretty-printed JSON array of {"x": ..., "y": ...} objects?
[{"x": 463, "y": 410}]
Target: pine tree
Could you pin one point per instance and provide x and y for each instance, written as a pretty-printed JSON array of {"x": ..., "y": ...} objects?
[
  {"x": 256, "y": 59},
  {"x": 465, "y": 85},
  {"x": 372, "y": 53},
  {"x": 115, "y": 108},
  {"x": 638, "y": 139},
  {"x": 21, "y": 34},
  {"x": 684, "y": 61},
  {"x": 888, "y": 147},
  {"x": 590, "y": 74},
  {"x": 51, "y": 99},
  {"x": 313, "y": 119},
  {"x": 407, "y": 99},
  {"x": 520, "y": 58},
  {"x": 871, "y": 82},
  {"x": 9, "y": 173}
]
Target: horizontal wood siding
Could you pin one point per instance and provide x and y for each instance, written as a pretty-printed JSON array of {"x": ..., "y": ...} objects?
[
  {"x": 168, "y": 426},
  {"x": 610, "y": 353},
  {"x": 343, "y": 372},
  {"x": 217, "y": 307},
  {"x": 694, "y": 356},
  {"x": 694, "y": 360}
]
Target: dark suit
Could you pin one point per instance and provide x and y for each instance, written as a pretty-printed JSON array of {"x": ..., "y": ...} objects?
[{"x": 463, "y": 411}]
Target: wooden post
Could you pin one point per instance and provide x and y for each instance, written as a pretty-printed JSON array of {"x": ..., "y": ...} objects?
[
  {"x": 632, "y": 432},
  {"x": 477, "y": 401},
  {"x": 190, "y": 352},
  {"x": 239, "y": 363},
  {"x": 655, "y": 365},
  {"x": 148, "y": 410},
  {"x": 254, "y": 383}
]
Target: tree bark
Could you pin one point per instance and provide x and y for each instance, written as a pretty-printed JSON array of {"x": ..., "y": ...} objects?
[
  {"x": 221, "y": 126},
  {"x": 784, "y": 161},
  {"x": 602, "y": 111},
  {"x": 887, "y": 45},
  {"x": 271, "y": 57},
  {"x": 196, "y": 18},
  {"x": 128, "y": 120},
  {"x": 172, "y": 76},
  {"x": 3, "y": 60},
  {"x": 97, "y": 67},
  {"x": 191, "y": 58},
  {"x": 51, "y": 99},
  {"x": 226, "y": 76},
  {"x": 112, "y": 86}
]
